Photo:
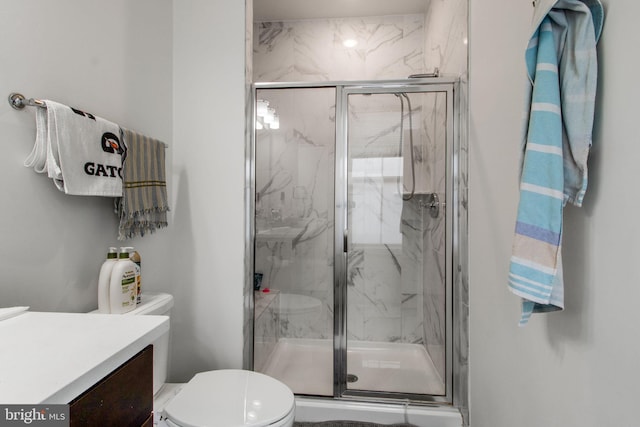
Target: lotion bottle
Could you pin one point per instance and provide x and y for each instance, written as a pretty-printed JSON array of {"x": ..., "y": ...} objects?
[
  {"x": 137, "y": 260},
  {"x": 104, "y": 281},
  {"x": 122, "y": 286}
]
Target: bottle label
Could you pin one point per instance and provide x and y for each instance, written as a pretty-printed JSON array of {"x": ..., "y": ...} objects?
[
  {"x": 138, "y": 283},
  {"x": 128, "y": 287}
]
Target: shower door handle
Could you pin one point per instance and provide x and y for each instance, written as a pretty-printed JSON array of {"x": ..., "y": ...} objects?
[{"x": 345, "y": 240}]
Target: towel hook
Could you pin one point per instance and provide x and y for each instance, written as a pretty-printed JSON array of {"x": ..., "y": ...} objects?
[{"x": 18, "y": 101}]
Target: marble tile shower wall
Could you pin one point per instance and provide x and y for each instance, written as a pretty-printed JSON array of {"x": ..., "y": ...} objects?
[
  {"x": 446, "y": 38},
  {"x": 396, "y": 242},
  {"x": 266, "y": 328},
  {"x": 446, "y": 45},
  {"x": 392, "y": 239},
  {"x": 434, "y": 234},
  {"x": 295, "y": 202},
  {"x": 312, "y": 50},
  {"x": 461, "y": 284},
  {"x": 391, "y": 47}
]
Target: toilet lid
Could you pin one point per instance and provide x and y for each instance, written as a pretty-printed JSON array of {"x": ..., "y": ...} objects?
[{"x": 230, "y": 398}]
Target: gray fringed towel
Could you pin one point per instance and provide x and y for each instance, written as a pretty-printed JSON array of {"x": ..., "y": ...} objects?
[{"x": 144, "y": 203}]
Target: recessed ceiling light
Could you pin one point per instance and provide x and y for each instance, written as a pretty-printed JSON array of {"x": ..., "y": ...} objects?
[{"x": 350, "y": 42}]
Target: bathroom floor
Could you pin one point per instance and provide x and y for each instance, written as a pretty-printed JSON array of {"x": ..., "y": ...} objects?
[{"x": 306, "y": 366}]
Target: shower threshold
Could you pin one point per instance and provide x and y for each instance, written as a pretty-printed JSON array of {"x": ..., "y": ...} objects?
[
  {"x": 306, "y": 366},
  {"x": 326, "y": 410}
]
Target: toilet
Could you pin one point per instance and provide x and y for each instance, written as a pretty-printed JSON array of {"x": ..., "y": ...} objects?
[
  {"x": 231, "y": 397},
  {"x": 226, "y": 397}
]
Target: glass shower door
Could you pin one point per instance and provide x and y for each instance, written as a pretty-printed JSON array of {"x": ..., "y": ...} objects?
[
  {"x": 294, "y": 208},
  {"x": 397, "y": 301},
  {"x": 354, "y": 208}
]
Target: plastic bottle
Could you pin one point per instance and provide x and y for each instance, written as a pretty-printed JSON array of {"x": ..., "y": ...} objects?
[
  {"x": 137, "y": 260},
  {"x": 122, "y": 286},
  {"x": 104, "y": 280}
]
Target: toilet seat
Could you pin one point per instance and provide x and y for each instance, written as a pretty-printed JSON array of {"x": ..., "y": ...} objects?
[{"x": 230, "y": 398}]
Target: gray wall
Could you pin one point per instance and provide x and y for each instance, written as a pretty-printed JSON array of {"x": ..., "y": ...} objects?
[
  {"x": 109, "y": 58},
  {"x": 154, "y": 66},
  {"x": 577, "y": 367},
  {"x": 208, "y": 120}
]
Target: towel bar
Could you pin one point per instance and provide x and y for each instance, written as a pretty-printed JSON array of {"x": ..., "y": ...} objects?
[{"x": 18, "y": 101}]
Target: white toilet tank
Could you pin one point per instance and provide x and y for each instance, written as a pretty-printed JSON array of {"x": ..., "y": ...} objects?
[{"x": 157, "y": 304}]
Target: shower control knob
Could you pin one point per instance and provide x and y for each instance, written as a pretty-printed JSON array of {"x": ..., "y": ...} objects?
[{"x": 434, "y": 205}]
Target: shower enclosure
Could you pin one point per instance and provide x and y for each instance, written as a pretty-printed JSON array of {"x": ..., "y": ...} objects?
[{"x": 354, "y": 198}]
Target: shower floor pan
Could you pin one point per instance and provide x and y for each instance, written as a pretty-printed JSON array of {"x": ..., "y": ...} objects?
[{"x": 306, "y": 366}]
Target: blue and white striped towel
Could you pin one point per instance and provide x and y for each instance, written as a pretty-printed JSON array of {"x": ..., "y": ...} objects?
[
  {"x": 562, "y": 68},
  {"x": 536, "y": 246}
]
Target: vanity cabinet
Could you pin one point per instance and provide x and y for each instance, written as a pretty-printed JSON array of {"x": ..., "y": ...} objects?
[
  {"x": 123, "y": 398},
  {"x": 101, "y": 365}
]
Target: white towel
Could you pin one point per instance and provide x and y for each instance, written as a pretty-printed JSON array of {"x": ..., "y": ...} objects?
[
  {"x": 82, "y": 153},
  {"x": 37, "y": 159}
]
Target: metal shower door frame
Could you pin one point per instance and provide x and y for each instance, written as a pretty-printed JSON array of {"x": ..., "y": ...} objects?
[
  {"x": 441, "y": 85},
  {"x": 343, "y": 89}
]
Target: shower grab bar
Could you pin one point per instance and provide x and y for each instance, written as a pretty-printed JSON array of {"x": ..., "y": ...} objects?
[{"x": 18, "y": 101}]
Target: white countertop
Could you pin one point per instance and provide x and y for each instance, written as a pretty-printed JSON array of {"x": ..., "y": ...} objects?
[{"x": 54, "y": 357}]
